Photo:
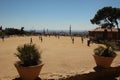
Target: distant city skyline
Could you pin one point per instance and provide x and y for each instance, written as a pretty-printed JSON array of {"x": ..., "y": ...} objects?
[{"x": 51, "y": 14}]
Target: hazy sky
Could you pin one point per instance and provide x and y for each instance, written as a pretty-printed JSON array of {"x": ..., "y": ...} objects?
[{"x": 51, "y": 14}]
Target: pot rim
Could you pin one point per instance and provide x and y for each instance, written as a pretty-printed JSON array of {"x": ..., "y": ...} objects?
[
  {"x": 17, "y": 63},
  {"x": 104, "y": 56}
]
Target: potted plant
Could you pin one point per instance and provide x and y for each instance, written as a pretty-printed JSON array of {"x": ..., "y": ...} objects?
[
  {"x": 30, "y": 63},
  {"x": 104, "y": 56}
]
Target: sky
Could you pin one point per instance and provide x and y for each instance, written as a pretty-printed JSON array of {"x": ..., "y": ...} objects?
[{"x": 51, "y": 14}]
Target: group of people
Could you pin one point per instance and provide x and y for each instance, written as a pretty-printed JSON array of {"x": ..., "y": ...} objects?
[
  {"x": 72, "y": 38},
  {"x": 82, "y": 40},
  {"x": 40, "y": 38}
]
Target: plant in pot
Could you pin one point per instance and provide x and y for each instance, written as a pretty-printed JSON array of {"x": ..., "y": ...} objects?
[
  {"x": 104, "y": 56},
  {"x": 30, "y": 63}
]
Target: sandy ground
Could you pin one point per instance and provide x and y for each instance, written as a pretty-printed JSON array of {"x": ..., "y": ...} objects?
[{"x": 60, "y": 57}]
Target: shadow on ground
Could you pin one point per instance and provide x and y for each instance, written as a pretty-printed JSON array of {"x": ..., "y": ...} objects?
[
  {"x": 21, "y": 79},
  {"x": 99, "y": 74}
]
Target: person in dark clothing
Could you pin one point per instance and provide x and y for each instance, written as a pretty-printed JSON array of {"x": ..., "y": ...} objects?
[
  {"x": 2, "y": 38},
  {"x": 73, "y": 40},
  {"x": 41, "y": 39},
  {"x": 88, "y": 43},
  {"x": 82, "y": 39},
  {"x": 31, "y": 41}
]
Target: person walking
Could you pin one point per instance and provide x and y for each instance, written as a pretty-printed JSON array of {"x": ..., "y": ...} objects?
[
  {"x": 88, "y": 43},
  {"x": 82, "y": 39},
  {"x": 72, "y": 40},
  {"x": 31, "y": 41},
  {"x": 41, "y": 39}
]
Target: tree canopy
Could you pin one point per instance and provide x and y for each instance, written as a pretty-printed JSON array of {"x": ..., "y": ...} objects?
[{"x": 107, "y": 16}]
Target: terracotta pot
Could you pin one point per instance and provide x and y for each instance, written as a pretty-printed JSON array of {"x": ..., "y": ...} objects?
[
  {"x": 104, "y": 62},
  {"x": 28, "y": 73}
]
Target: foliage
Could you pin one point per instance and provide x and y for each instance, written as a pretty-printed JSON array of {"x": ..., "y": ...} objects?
[
  {"x": 28, "y": 54},
  {"x": 107, "y": 25},
  {"x": 22, "y": 30},
  {"x": 104, "y": 51},
  {"x": 107, "y": 15},
  {"x": 28, "y": 33},
  {"x": 113, "y": 44},
  {"x": 13, "y": 31},
  {"x": 0, "y": 33}
]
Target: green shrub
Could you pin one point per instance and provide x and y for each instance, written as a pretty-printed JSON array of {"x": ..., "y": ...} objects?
[
  {"x": 28, "y": 55},
  {"x": 0, "y": 34},
  {"x": 113, "y": 44},
  {"x": 104, "y": 51}
]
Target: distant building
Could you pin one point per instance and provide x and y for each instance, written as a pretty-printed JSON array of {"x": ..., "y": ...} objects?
[{"x": 104, "y": 34}]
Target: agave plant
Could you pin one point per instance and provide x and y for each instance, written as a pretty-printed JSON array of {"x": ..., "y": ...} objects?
[
  {"x": 28, "y": 55},
  {"x": 104, "y": 51}
]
